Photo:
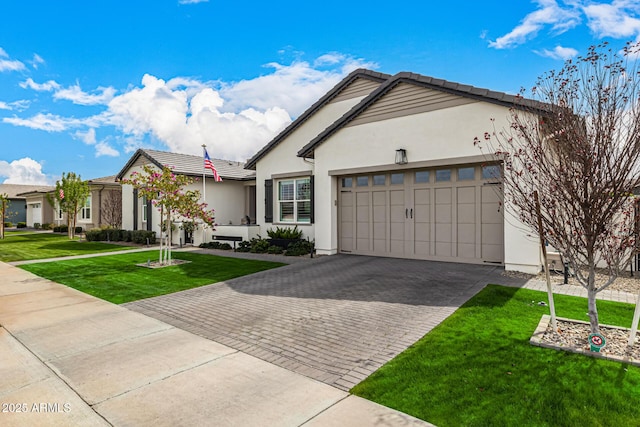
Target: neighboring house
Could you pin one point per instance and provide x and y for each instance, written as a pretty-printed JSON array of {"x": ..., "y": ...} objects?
[
  {"x": 91, "y": 214},
  {"x": 17, "y": 209},
  {"x": 233, "y": 199},
  {"x": 386, "y": 166}
]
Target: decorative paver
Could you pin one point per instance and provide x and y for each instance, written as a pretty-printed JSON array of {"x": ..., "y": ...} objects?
[{"x": 335, "y": 319}]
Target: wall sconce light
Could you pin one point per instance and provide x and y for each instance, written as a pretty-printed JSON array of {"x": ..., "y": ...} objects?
[{"x": 401, "y": 156}]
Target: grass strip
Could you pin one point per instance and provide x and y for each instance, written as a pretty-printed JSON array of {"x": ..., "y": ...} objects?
[
  {"x": 118, "y": 279},
  {"x": 477, "y": 368}
]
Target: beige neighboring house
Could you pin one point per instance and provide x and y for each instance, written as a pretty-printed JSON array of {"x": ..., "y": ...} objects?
[
  {"x": 91, "y": 215},
  {"x": 386, "y": 166},
  {"x": 233, "y": 199},
  {"x": 17, "y": 209}
]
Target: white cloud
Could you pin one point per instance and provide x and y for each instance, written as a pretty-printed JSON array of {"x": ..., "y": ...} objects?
[
  {"x": 37, "y": 61},
  {"x": 549, "y": 13},
  {"x": 233, "y": 119},
  {"x": 102, "y": 95},
  {"x": 40, "y": 87},
  {"x": 104, "y": 149},
  {"x": 615, "y": 19},
  {"x": 559, "y": 52},
  {"x": 7, "y": 64},
  {"x": 20, "y": 105},
  {"x": 23, "y": 171},
  {"x": 52, "y": 122}
]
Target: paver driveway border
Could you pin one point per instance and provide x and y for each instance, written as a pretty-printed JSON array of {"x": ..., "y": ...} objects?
[{"x": 334, "y": 319}]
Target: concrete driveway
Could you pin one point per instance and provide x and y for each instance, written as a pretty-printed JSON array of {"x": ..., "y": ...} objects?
[{"x": 334, "y": 319}]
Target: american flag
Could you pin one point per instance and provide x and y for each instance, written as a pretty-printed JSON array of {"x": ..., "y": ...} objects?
[
  {"x": 61, "y": 194},
  {"x": 208, "y": 164}
]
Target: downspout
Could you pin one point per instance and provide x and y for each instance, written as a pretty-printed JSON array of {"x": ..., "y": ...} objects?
[{"x": 100, "y": 206}]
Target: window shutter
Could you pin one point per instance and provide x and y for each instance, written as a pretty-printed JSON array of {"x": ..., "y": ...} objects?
[
  {"x": 268, "y": 200},
  {"x": 149, "y": 215},
  {"x": 313, "y": 193},
  {"x": 135, "y": 208}
]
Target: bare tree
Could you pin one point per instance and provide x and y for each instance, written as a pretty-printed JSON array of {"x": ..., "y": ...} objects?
[
  {"x": 112, "y": 208},
  {"x": 576, "y": 142}
]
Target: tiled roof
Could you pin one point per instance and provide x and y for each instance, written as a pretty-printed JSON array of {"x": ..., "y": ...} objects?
[
  {"x": 187, "y": 164},
  {"x": 31, "y": 189},
  {"x": 12, "y": 190},
  {"x": 104, "y": 180}
]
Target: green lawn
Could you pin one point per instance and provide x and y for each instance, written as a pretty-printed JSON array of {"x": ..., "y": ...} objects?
[
  {"x": 28, "y": 246},
  {"x": 118, "y": 279},
  {"x": 478, "y": 369}
]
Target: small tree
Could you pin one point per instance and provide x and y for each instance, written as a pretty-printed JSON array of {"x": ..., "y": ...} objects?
[
  {"x": 70, "y": 195},
  {"x": 112, "y": 208},
  {"x": 4, "y": 204},
  {"x": 165, "y": 190},
  {"x": 577, "y": 143}
]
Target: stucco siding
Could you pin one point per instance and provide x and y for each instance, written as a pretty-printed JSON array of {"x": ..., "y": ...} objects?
[{"x": 438, "y": 134}]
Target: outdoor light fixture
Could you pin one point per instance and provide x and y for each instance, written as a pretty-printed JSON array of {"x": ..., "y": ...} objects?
[{"x": 401, "y": 156}]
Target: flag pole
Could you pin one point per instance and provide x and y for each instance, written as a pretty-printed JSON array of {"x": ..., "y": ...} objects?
[{"x": 204, "y": 189}]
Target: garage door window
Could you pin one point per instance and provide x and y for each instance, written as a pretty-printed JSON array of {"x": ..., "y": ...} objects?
[
  {"x": 347, "y": 182},
  {"x": 443, "y": 175},
  {"x": 422, "y": 177},
  {"x": 362, "y": 181},
  {"x": 379, "y": 179},
  {"x": 294, "y": 200},
  {"x": 466, "y": 174},
  {"x": 397, "y": 178},
  {"x": 491, "y": 172}
]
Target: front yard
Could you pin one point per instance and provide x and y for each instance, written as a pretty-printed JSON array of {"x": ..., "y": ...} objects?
[
  {"x": 118, "y": 279},
  {"x": 478, "y": 369},
  {"x": 20, "y": 245}
]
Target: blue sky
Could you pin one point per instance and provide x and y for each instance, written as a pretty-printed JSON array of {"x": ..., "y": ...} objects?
[{"x": 83, "y": 84}]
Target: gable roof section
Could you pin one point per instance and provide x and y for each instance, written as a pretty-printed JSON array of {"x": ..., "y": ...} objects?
[
  {"x": 42, "y": 189},
  {"x": 466, "y": 91},
  {"x": 187, "y": 164},
  {"x": 333, "y": 94},
  {"x": 15, "y": 191}
]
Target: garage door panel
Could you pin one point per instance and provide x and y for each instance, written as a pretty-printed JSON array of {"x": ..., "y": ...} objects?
[
  {"x": 491, "y": 213},
  {"x": 492, "y": 194},
  {"x": 467, "y": 195},
  {"x": 466, "y": 250},
  {"x": 492, "y": 234},
  {"x": 397, "y": 197},
  {"x": 443, "y": 213},
  {"x": 467, "y": 233},
  {"x": 466, "y": 213},
  {"x": 443, "y": 249},
  {"x": 422, "y": 248},
  {"x": 422, "y": 232},
  {"x": 443, "y": 233},
  {"x": 380, "y": 230},
  {"x": 397, "y": 231},
  {"x": 492, "y": 252},
  {"x": 421, "y": 213},
  {"x": 443, "y": 195}
]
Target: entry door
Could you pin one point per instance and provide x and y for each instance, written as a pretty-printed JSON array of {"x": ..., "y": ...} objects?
[{"x": 36, "y": 213}]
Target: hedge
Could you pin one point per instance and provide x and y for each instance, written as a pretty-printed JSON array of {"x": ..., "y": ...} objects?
[{"x": 117, "y": 235}]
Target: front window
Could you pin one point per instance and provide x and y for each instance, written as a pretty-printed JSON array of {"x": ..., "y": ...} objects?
[
  {"x": 144, "y": 209},
  {"x": 85, "y": 213},
  {"x": 294, "y": 200}
]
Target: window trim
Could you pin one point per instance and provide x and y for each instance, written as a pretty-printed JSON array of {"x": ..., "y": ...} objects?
[
  {"x": 278, "y": 202},
  {"x": 87, "y": 205}
]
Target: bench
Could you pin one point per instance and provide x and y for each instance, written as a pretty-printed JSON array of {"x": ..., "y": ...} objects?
[{"x": 233, "y": 239}]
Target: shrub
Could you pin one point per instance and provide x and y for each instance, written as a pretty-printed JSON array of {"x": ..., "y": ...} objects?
[
  {"x": 78, "y": 230},
  {"x": 216, "y": 245},
  {"x": 60, "y": 229},
  {"x": 259, "y": 246},
  {"x": 301, "y": 247},
  {"x": 8, "y": 224},
  {"x": 274, "y": 250},
  {"x": 36, "y": 225},
  {"x": 244, "y": 246},
  {"x": 141, "y": 236},
  {"x": 47, "y": 226},
  {"x": 95, "y": 235},
  {"x": 285, "y": 233},
  {"x": 22, "y": 225}
]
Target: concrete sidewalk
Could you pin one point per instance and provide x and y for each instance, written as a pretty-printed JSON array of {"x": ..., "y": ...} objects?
[{"x": 67, "y": 358}]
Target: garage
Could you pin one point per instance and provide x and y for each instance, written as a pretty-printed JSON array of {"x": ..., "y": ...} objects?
[{"x": 446, "y": 214}]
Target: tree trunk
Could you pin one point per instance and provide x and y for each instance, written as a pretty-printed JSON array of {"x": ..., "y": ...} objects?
[{"x": 591, "y": 295}]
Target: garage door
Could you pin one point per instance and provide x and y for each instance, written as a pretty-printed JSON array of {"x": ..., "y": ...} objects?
[{"x": 449, "y": 214}]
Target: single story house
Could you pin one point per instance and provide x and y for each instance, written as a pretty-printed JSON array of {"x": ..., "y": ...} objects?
[
  {"x": 17, "y": 207},
  {"x": 385, "y": 165},
  {"x": 233, "y": 199},
  {"x": 104, "y": 193}
]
